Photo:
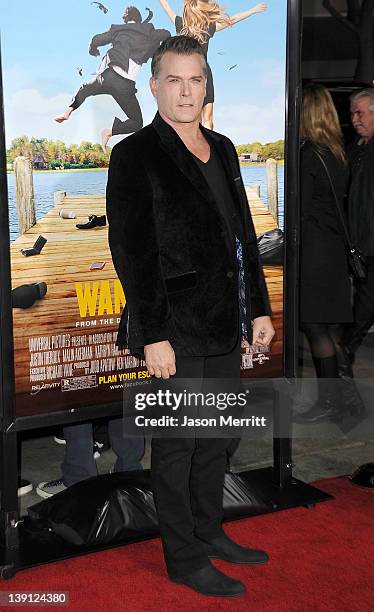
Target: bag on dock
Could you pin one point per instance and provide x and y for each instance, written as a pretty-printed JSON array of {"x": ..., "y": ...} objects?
[{"x": 270, "y": 246}]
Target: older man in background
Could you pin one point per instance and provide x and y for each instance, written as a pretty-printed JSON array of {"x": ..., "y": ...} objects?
[{"x": 361, "y": 213}]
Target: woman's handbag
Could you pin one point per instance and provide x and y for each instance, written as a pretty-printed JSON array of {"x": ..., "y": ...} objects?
[
  {"x": 270, "y": 247},
  {"x": 356, "y": 259},
  {"x": 357, "y": 263}
]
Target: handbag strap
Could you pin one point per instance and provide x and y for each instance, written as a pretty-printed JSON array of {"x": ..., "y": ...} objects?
[{"x": 339, "y": 210}]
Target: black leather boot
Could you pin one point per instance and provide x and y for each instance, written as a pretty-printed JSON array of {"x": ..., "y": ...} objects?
[
  {"x": 329, "y": 406},
  {"x": 352, "y": 400},
  {"x": 226, "y": 549},
  {"x": 323, "y": 410},
  {"x": 211, "y": 581}
]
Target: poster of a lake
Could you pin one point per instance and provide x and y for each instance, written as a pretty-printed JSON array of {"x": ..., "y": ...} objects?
[{"x": 76, "y": 82}]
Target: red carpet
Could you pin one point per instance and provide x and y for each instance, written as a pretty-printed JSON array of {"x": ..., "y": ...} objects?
[{"x": 321, "y": 560}]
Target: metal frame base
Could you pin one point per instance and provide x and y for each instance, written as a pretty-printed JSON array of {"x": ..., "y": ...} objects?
[{"x": 37, "y": 546}]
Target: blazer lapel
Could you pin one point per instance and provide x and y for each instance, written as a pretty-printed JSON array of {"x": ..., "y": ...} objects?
[{"x": 180, "y": 155}]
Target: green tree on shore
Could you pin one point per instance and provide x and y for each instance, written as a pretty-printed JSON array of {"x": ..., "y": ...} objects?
[
  {"x": 56, "y": 154},
  {"x": 53, "y": 154},
  {"x": 264, "y": 151}
]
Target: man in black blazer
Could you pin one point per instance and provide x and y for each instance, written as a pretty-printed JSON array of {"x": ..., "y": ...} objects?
[{"x": 185, "y": 250}]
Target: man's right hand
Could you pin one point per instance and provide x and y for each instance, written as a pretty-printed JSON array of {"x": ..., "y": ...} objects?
[{"x": 160, "y": 359}]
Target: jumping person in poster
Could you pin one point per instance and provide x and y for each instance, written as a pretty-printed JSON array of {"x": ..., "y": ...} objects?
[
  {"x": 201, "y": 19},
  {"x": 133, "y": 44}
]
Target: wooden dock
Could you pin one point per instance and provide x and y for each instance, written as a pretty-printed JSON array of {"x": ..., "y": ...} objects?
[
  {"x": 264, "y": 222},
  {"x": 65, "y": 261}
]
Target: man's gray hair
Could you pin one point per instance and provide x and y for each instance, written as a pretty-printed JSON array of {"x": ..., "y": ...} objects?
[
  {"x": 181, "y": 45},
  {"x": 364, "y": 93}
]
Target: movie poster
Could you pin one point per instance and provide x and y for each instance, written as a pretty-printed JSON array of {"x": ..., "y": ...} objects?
[{"x": 75, "y": 81}]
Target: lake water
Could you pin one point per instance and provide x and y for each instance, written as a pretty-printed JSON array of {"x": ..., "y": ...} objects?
[{"x": 94, "y": 182}]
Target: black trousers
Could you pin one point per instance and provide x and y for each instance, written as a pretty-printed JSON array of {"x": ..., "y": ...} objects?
[
  {"x": 124, "y": 93},
  {"x": 363, "y": 310},
  {"x": 188, "y": 476}
]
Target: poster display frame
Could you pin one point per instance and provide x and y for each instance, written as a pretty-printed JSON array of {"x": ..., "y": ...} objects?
[
  {"x": 9, "y": 412},
  {"x": 281, "y": 473}
]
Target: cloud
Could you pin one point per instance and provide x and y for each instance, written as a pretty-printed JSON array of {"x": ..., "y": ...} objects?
[
  {"x": 272, "y": 73},
  {"x": 253, "y": 106},
  {"x": 245, "y": 122},
  {"x": 29, "y": 112},
  {"x": 14, "y": 78},
  {"x": 30, "y": 101}
]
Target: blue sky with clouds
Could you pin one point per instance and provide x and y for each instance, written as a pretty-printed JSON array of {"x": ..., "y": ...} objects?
[{"x": 44, "y": 43}]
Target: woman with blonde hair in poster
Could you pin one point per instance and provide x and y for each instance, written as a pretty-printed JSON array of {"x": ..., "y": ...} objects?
[{"x": 201, "y": 19}]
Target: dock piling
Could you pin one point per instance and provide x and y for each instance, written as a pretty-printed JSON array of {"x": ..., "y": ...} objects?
[
  {"x": 272, "y": 184},
  {"x": 257, "y": 189},
  {"x": 58, "y": 197},
  {"x": 24, "y": 194}
]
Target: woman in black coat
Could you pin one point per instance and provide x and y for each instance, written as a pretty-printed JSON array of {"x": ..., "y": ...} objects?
[{"x": 325, "y": 302}]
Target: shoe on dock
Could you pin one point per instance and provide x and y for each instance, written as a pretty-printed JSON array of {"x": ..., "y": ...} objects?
[
  {"x": 93, "y": 221},
  {"x": 25, "y": 296}
]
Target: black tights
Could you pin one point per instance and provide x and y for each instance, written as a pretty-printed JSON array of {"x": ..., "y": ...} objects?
[{"x": 322, "y": 338}]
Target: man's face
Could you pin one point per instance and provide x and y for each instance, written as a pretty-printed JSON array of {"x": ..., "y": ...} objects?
[
  {"x": 179, "y": 87},
  {"x": 363, "y": 118}
]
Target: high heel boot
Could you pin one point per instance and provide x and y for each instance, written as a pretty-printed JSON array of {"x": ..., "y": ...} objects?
[
  {"x": 351, "y": 397},
  {"x": 329, "y": 405}
]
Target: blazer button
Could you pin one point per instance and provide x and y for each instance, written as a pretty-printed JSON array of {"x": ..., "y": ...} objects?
[{"x": 230, "y": 274}]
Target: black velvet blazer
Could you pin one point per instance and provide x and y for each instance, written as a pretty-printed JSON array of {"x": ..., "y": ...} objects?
[{"x": 169, "y": 247}]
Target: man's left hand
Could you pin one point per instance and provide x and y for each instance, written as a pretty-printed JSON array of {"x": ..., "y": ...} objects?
[
  {"x": 263, "y": 331},
  {"x": 94, "y": 51}
]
